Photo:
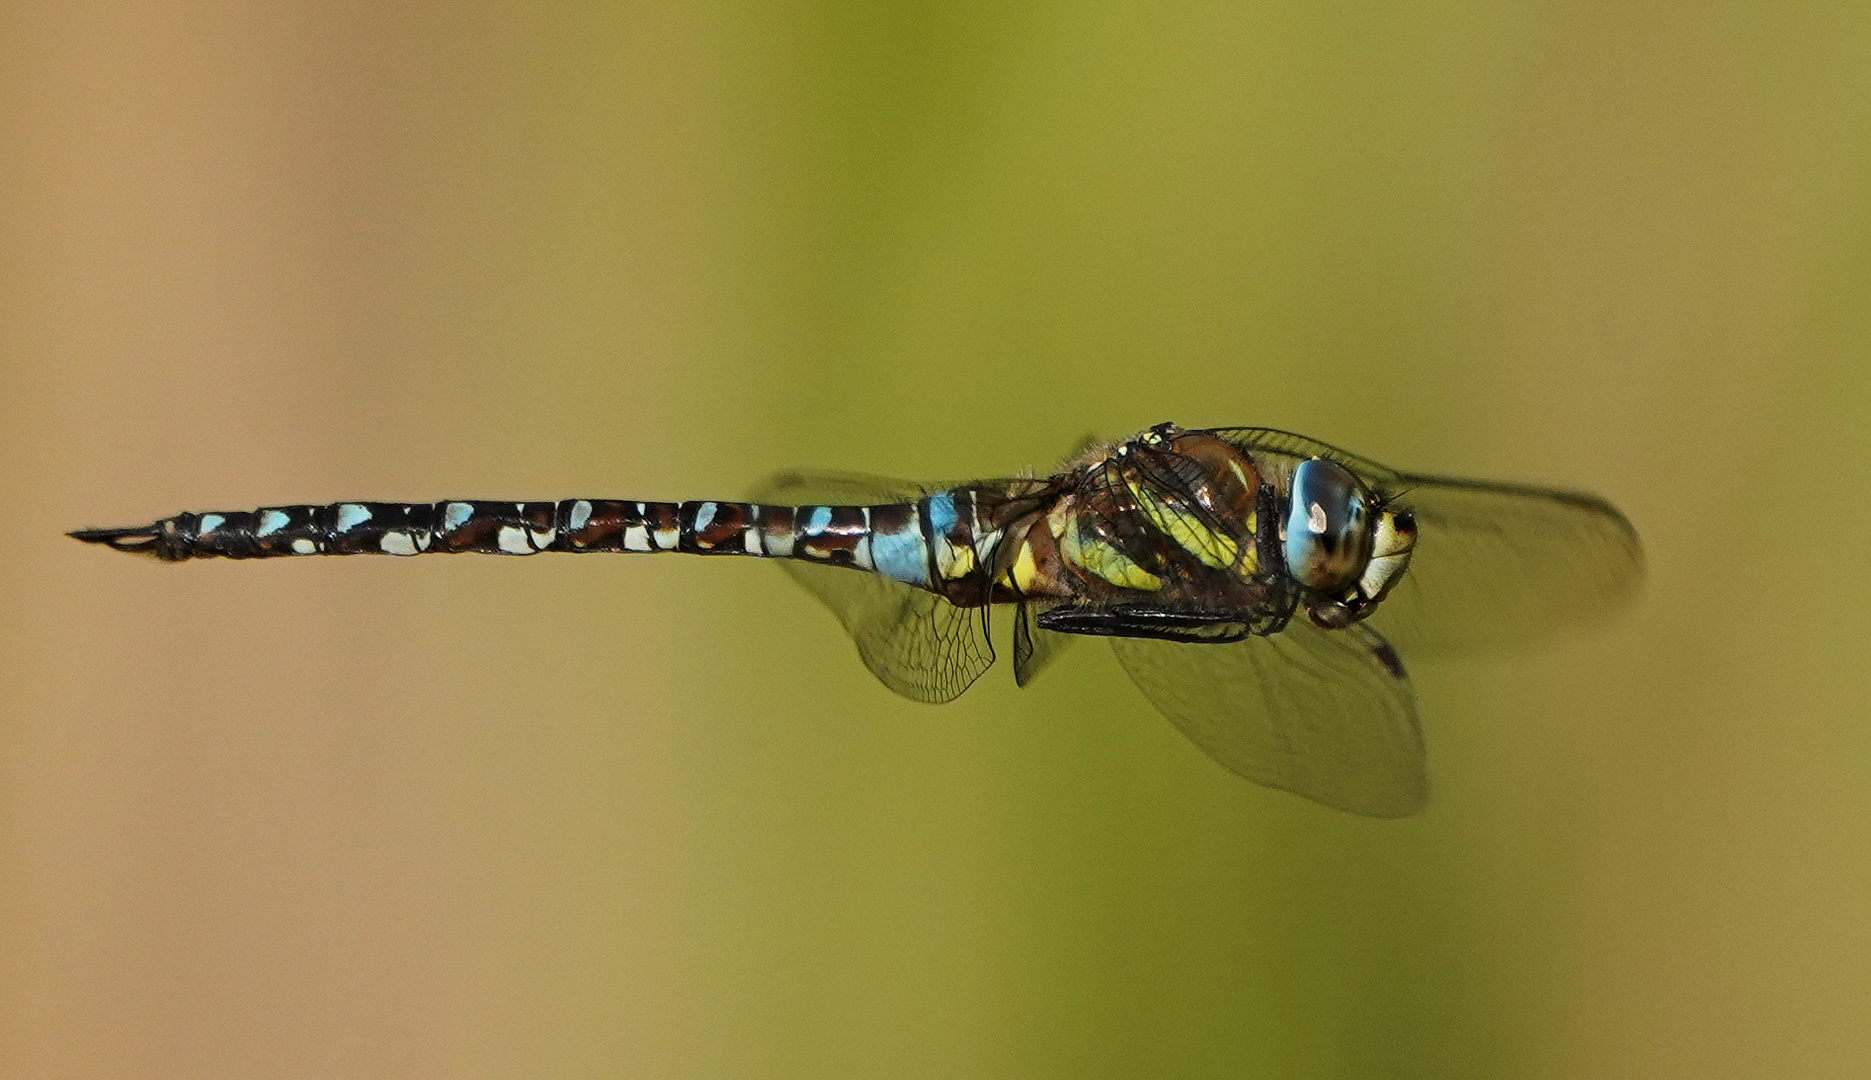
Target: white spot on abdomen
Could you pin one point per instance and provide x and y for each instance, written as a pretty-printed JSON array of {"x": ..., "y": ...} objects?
[
  {"x": 351, "y": 515},
  {"x": 861, "y": 554}
]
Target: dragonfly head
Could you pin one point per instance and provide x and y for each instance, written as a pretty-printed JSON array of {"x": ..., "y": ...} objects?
[{"x": 1341, "y": 544}]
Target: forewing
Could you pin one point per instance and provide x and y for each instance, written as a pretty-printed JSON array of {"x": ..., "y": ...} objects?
[
  {"x": 1328, "y": 715},
  {"x": 1496, "y": 566},
  {"x": 1276, "y": 441},
  {"x": 916, "y": 642}
]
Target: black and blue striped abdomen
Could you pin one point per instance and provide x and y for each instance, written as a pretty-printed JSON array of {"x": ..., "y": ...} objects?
[{"x": 935, "y": 539}]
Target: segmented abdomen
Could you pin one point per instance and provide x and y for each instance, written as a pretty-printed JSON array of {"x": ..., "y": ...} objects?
[{"x": 935, "y": 539}]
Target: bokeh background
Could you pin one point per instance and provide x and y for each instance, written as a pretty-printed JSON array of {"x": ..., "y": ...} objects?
[{"x": 651, "y": 818}]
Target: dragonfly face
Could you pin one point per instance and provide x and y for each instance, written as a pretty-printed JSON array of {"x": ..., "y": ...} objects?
[
  {"x": 1341, "y": 544},
  {"x": 1192, "y": 551}
]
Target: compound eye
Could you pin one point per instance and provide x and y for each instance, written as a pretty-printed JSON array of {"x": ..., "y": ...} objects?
[{"x": 1328, "y": 526}]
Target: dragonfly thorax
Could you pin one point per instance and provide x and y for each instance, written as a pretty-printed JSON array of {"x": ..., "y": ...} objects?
[
  {"x": 1168, "y": 516},
  {"x": 1173, "y": 526},
  {"x": 1162, "y": 535}
]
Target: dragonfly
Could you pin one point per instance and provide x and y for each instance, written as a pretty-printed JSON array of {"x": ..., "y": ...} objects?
[{"x": 1259, "y": 587}]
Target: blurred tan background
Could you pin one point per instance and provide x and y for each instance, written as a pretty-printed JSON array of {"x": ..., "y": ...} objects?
[{"x": 650, "y": 817}]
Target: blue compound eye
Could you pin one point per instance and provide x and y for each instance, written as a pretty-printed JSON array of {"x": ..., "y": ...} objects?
[{"x": 1328, "y": 526}]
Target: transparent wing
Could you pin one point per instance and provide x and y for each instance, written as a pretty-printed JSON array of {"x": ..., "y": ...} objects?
[
  {"x": 916, "y": 642},
  {"x": 1327, "y": 714},
  {"x": 1034, "y": 647},
  {"x": 1273, "y": 440},
  {"x": 1499, "y": 567},
  {"x": 1496, "y": 566}
]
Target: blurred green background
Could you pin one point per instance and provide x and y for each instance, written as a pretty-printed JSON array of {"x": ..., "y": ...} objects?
[{"x": 633, "y": 817}]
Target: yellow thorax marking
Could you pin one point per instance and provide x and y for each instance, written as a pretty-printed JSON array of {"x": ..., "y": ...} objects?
[
  {"x": 1107, "y": 562},
  {"x": 1212, "y": 548},
  {"x": 1057, "y": 518},
  {"x": 959, "y": 562},
  {"x": 1024, "y": 568}
]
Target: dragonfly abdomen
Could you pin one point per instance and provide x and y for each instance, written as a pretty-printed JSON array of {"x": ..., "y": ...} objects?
[
  {"x": 931, "y": 540},
  {"x": 383, "y": 528}
]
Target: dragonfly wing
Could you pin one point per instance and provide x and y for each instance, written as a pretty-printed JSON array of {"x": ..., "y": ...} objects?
[
  {"x": 1033, "y": 647},
  {"x": 1496, "y": 566},
  {"x": 1273, "y": 440},
  {"x": 1500, "y": 567},
  {"x": 916, "y": 642},
  {"x": 1326, "y": 714}
]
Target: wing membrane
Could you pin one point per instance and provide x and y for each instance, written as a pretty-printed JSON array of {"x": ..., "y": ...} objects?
[
  {"x": 1274, "y": 440},
  {"x": 1328, "y": 715},
  {"x": 1496, "y": 566},
  {"x": 915, "y": 642},
  {"x": 1499, "y": 567}
]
